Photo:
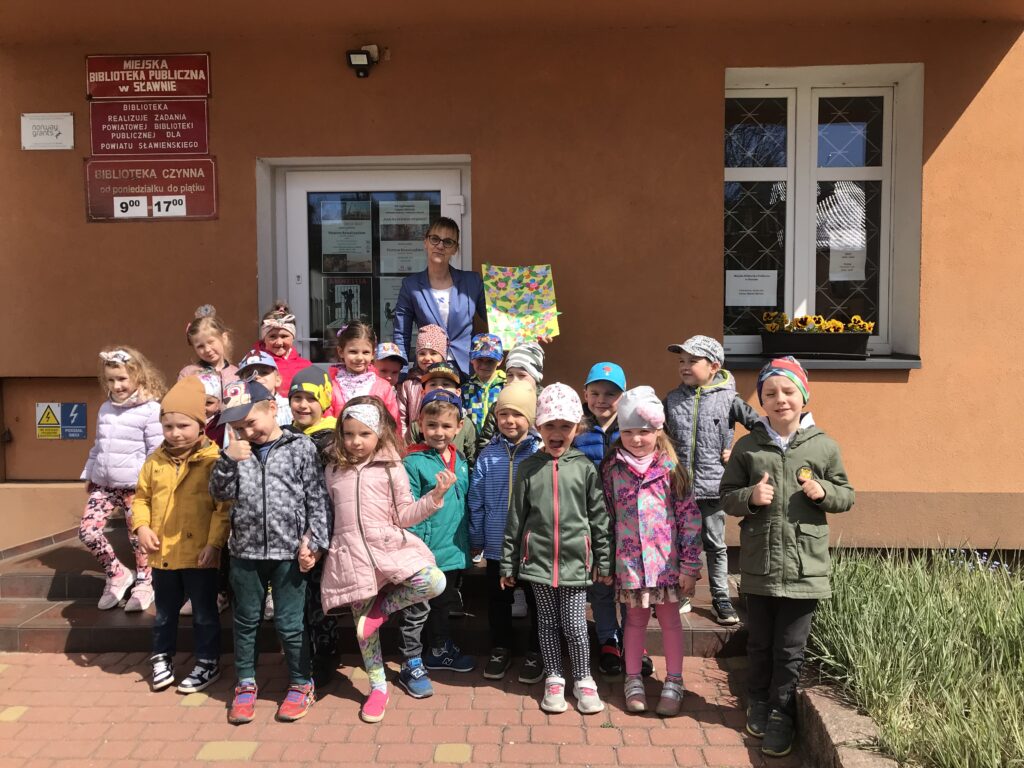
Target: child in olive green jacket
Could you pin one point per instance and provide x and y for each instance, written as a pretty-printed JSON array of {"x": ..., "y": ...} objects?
[
  {"x": 558, "y": 537},
  {"x": 781, "y": 481}
]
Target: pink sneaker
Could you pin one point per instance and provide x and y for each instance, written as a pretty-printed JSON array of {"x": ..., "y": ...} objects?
[
  {"x": 115, "y": 590},
  {"x": 374, "y": 706},
  {"x": 141, "y": 599},
  {"x": 372, "y": 620}
]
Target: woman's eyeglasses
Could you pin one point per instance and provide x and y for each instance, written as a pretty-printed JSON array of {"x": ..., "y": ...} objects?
[{"x": 447, "y": 242}]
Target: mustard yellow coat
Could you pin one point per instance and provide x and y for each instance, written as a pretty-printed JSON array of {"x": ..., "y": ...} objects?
[{"x": 174, "y": 500}]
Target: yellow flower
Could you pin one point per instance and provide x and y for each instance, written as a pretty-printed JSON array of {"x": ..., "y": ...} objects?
[
  {"x": 856, "y": 320},
  {"x": 767, "y": 317},
  {"x": 772, "y": 327}
]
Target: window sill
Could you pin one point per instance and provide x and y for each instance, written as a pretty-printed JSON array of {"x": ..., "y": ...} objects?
[{"x": 894, "y": 362}]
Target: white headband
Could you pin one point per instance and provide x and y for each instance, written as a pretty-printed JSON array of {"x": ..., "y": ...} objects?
[
  {"x": 365, "y": 413},
  {"x": 285, "y": 323},
  {"x": 117, "y": 357}
]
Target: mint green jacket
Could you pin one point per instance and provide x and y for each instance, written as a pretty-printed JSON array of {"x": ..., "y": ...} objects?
[{"x": 446, "y": 532}]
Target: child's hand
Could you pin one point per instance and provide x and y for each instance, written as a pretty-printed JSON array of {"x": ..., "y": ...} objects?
[
  {"x": 148, "y": 539},
  {"x": 507, "y": 582},
  {"x": 443, "y": 480},
  {"x": 812, "y": 490},
  {"x": 763, "y": 493},
  {"x": 306, "y": 557},
  {"x": 209, "y": 557},
  {"x": 238, "y": 449},
  {"x": 726, "y": 454},
  {"x": 687, "y": 585}
]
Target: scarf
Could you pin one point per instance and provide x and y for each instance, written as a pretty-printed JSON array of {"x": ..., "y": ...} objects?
[
  {"x": 355, "y": 384},
  {"x": 640, "y": 466}
]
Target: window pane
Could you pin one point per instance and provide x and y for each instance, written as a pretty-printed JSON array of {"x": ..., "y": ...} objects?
[
  {"x": 848, "y": 239},
  {"x": 850, "y": 132},
  {"x": 361, "y": 244},
  {"x": 755, "y": 239},
  {"x": 755, "y": 133}
]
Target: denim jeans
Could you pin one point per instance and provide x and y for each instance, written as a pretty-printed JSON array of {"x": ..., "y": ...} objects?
[
  {"x": 432, "y": 615},
  {"x": 606, "y": 620},
  {"x": 712, "y": 534},
  {"x": 777, "y": 628},
  {"x": 249, "y": 580},
  {"x": 170, "y": 591}
]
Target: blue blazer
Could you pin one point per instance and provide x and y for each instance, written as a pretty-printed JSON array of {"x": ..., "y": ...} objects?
[{"x": 416, "y": 305}]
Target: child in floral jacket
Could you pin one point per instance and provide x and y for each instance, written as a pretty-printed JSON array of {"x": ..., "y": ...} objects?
[{"x": 657, "y": 540}]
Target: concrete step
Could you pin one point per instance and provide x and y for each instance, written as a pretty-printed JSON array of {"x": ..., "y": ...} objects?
[{"x": 48, "y": 604}]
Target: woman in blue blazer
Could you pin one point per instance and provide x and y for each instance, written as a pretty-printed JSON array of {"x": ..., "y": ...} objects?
[{"x": 441, "y": 295}]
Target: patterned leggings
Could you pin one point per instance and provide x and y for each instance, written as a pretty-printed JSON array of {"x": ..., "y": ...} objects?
[
  {"x": 565, "y": 608},
  {"x": 101, "y": 504},
  {"x": 418, "y": 588}
]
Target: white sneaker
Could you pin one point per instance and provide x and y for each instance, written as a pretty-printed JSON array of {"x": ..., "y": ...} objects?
[
  {"x": 519, "y": 607},
  {"x": 141, "y": 599},
  {"x": 685, "y": 606},
  {"x": 205, "y": 673},
  {"x": 186, "y": 608},
  {"x": 554, "y": 695},
  {"x": 478, "y": 556},
  {"x": 268, "y": 608},
  {"x": 115, "y": 589},
  {"x": 587, "y": 700}
]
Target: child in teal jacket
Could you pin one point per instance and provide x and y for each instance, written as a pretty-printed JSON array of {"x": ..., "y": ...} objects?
[{"x": 446, "y": 533}]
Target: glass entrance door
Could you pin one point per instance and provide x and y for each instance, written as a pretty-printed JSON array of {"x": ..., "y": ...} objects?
[{"x": 352, "y": 237}]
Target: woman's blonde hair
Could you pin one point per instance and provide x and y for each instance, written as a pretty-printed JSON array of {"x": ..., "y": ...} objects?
[
  {"x": 144, "y": 374},
  {"x": 388, "y": 432},
  {"x": 206, "y": 320},
  {"x": 681, "y": 486}
]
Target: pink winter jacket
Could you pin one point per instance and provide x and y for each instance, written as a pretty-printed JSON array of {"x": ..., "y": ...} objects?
[
  {"x": 369, "y": 548},
  {"x": 380, "y": 388}
]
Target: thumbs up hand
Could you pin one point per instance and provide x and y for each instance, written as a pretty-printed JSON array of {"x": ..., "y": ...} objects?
[
  {"x": 763, "y": 493},
  {"x": 238, "y": 449}
]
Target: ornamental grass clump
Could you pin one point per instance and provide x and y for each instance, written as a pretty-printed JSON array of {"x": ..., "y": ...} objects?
[{"x": 932, "y": 648}]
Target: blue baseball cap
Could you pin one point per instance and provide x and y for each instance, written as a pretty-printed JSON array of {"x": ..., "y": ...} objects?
[
  {"x": 442, "y": 396},
  {"x": 607, "y": 372},
  {"x": 239, "y": 398},
  {"x": 253, "y": 358}
]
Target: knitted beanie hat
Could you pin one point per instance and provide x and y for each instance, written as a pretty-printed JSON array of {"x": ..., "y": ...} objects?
[
  {"x": 784, "y": 366},
  {"x": 518, "y": 397},
  {"x": 559, "y": 402},
  {"x": 432, "y": 337},
  {"x": 530, "y": 357},
  {"x": 187, "y": 397},
  {"x": 640, "y": 408},
  {"x": 315, "y": 381}
]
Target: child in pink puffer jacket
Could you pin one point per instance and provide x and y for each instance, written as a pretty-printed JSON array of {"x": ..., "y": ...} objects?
[{"x": 373, "y": 564}]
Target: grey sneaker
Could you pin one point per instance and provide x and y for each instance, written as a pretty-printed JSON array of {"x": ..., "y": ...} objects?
[
  {"x": 724, "y": 613},
  {"x": 587, "y": 700},
  {"x": 671, "y": 700},
  {"x": 757, "y": 718},
  {"x": 636, "y": 696},
  {"x": 554, "y": 695},
  {"x": 778, "y": 736},
  {"x": 115, "y": 589}
]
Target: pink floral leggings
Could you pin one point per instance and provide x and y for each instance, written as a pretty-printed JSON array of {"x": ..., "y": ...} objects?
[{"x": 101, "y": 504}]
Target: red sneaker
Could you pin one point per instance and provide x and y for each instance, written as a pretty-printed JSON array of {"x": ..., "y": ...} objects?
[
  {"x": 296, "y": 703},
  {"x": 372, "y": 620},
  {"x": 374, "y": 706},
  {"x": 243, "y": 706}
]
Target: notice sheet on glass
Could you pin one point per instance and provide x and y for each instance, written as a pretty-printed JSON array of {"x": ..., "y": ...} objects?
[
  {"x": 346, "y": 236},
  {"x": 751, "y": 287},
  {"x": 403, "y": 224}
]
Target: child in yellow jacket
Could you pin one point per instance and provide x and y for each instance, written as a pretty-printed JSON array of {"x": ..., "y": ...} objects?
[{"x": 183, "y": 529}]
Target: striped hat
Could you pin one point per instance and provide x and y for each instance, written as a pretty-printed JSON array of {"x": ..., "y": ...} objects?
[{"x": 784, "y": 366}]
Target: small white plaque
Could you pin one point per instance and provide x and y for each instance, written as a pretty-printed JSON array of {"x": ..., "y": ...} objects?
[
  {"x": 47, "y": 130},
  {"x": 751, "y": 287},
  {"x": 134, "y": 207}
]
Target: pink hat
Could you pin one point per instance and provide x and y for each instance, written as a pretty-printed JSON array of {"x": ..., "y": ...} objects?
[
  {"x": 559, "y": 402},
  {"x": 432, "y": 337}
]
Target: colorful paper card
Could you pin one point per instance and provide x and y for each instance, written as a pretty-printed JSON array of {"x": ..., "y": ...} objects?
[{"x": 520, "y": 303}]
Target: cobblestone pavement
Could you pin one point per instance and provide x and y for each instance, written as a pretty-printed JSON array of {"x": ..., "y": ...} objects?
[{"x": 81, "y": 710}]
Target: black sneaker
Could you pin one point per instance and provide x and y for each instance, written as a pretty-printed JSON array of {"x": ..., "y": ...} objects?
[
  {"x": 532, "y": 669},
  {"x": 610, "y": 660},
  {"x": 778, "y": 736},
  {"x": 498, "y": 664},
  {"x": 205, "y": 673},
  {"x": 163, "y": 671},
  {"x": 757, "y": 718},
  {"x": 725, "y": 614},
  {"x": 646, "y": 665}
]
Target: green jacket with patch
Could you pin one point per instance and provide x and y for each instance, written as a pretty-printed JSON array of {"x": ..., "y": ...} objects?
[
  {"x": 784, "y": 547},
  {"x": 558, "y": 527}
]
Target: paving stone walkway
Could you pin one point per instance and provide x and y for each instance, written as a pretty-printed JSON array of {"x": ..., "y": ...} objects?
[{"x": 82, "y": 710}]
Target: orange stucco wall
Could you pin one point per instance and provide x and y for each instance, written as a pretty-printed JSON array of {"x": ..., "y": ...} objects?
[{"x": 600, "y": 157}]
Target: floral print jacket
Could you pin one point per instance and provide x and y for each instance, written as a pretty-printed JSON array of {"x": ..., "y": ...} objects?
[{"x": 657, "y": 536}]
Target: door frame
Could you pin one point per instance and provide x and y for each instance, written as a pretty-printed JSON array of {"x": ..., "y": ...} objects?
[{"x": 272, "y": 209}]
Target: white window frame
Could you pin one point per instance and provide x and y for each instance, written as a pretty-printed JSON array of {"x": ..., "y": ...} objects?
[{"x": 902, "y": 86}]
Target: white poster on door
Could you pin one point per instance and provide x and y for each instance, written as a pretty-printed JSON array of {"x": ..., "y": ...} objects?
[
  {"x": 751, "y": 287},
  {"x": 346, "y": 230},
  {"x": 847, "y": 264},
  {"x": 403, "y": 225}
]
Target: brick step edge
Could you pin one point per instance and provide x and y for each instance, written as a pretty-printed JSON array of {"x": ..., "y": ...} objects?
[{"x": 834, "y": 734}]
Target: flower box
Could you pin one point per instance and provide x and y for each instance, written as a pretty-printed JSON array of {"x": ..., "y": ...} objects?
[{"x": 849, "y": 345}]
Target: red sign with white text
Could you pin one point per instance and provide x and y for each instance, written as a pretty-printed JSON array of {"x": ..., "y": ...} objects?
[
  {"x": 147, "y": 76},
  {"x": 151, "y": 190},
  {"x": 171, "y": 127}
]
